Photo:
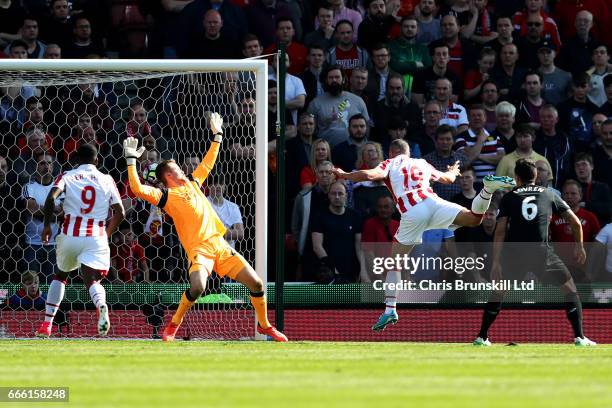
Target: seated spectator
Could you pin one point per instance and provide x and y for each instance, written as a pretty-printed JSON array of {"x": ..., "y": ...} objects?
[
  {"x": 534, "y": 9},
  {"x": 34, "y": 116},
  {"x": 261, "y": 17},
  {"x": 319, "y": 153},
  {"x": 505, "y": 34},
  {"x": 606, "y": 108},
  {"x": 544, "y": 177},
  {"x": 298, "y": 154},
  {"x": 599, "y": 70},
  {"x": 29, "y": 35},
  {"x": 576, "y": 53},
  {"x": 378, "y": 233},
  {"x": 528, "y": 110},
  {"x": 489, "y": 97},
  {"x": 507, "y": 74},
  {"x": 524, "y": 137},
  {"x": 428, "y": 23},
  {"x": 341, "y": 12},
  {"x": 80, "y": 99},
  {"x": 138, "y": 126},
  {"x": 345, "y": 153},
  {"x": 602, "y": 155},
  {"x": 82, "y": 136},
  {"x": 394, "y": 104},
  {"x": 479, "y": 29},
  {"x": 366, "y": 193},
  {"x": 57, "y": 28},
  {"x": 407, "y": 55},
  {"x": 467, "y": 192},
  {"x": 83, "y": 44},
  {"x": 333, "y": 109},
  {"x": 336, "y": 238},
  {"x": 483, "y": 150},
  {"x": 24, "y": 166},
  {"x": 379, "y": 75},
  {"x": 597, "y": 196},
  {"x": 443, "y": 157},
  {"x": 397, "y": 129},
  {"x": 462, "y": 53},
  {"x": 424, "y": 84},
  {"x": 311, "y": 77},
  {"x": 555, "y": 81},
  {"x": 376, "y": 26},
  {"x": 605, "y": 238},
  {"x": 576, "y": 114},
  {"x": 12, "y": 14},
  {"x": 295, "y": 94},
  {"x": 453, "y": 114},
  {"x": 18, "y": 49},
  {"x": 432, "y": 112},
  {"x": 323, "y": 35},
  {"x": 29, "y": 296},
  {"x": 358, "y": 85},
  {"x": 53, "y": 51},
  {"x": 505, "y": 116},
  {"x": 553, "y": 144},
  {"x": 211, "y": 43},
  {"x": 128, "y": 262},
  {"x": 228, "y": 212},
  {"x": 529, "y": 44},
  {"x": 561, "y": 233},
  {"x": 39, "y": 257},
  {"x": 285, "y": 33},
  {"x": 476, "y": 78},
  {"x": 346, "y": 54}
]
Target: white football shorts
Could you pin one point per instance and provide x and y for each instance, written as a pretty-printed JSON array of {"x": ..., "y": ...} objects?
[
  {"x": 72, "y": 252},
  {"x": 431, "y": 213}
]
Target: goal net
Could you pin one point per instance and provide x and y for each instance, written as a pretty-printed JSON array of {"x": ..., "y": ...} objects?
[{"x": 48, "y": 108}]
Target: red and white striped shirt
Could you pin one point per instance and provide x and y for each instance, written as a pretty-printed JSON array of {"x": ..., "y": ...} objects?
[
  {"x": 408, "y": 180},
  {"x": 88, "y": 197}
]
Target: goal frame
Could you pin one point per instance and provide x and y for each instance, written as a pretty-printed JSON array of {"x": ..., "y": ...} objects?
[{"x": 258, "y": 67}]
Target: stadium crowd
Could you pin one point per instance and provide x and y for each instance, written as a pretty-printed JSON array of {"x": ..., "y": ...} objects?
[{"x": 480, "y": 82}]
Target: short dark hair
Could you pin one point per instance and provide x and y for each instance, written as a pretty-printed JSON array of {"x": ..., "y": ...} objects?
[
  {"x": 607, "y": 81},
  {"x": 344, "y": 21},
  {"x": 316, "y": 46},
  {"x": 357, "y": 116},
  {"x": 162, "y": 169},
  {"x": 444, "y": 129},
  {"x": 584, "y": 156},
  {"x": 327, "y": 70},
  {"x": 18, "y": 43},
  {"x": 379, "y": 46},
  {"x": 282, "y": 19},
  {"x": 248, "y": 38},
  {"x": 524, "y": 128},
  {"x": 87, "y": 154},
  {"x": 536, "y": 73},
  {"x": 32, "y": 100},
  {"x": 526, "y": 170},
  {"x": 572, "y": 182},
  {"x": 581, "y": 78}
]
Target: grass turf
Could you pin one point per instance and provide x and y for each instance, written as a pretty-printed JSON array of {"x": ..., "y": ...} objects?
[{"x": 305, "y": 374}]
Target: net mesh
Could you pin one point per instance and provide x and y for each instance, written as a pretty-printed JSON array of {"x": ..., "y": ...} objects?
[{"x": 53, "y": 112}]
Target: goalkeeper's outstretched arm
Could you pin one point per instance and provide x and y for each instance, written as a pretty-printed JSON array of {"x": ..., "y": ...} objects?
[{"x": 208, "y": 163}]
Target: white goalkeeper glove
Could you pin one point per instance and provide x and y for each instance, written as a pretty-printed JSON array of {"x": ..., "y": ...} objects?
[
  {"x": 216, "y": 126},
  {"x": 131, "y": 151}
]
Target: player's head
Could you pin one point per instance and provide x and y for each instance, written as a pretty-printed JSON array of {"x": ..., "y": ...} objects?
[
  {"x": 398, "y": 147},
  {"x": 30, "y": 282},
  {"x": 170, "y": 174},
  {"x": 87, "y": 154},
  {"x": 525, "y": 171}
]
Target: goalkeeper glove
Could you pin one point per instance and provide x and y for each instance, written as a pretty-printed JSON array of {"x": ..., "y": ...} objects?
[
  {"x": 131, "y": 151},
  {"x": 216, "y": 125}
]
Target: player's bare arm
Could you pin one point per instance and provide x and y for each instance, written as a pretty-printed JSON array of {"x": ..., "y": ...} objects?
[
  {"x": 375, "y": 174},
  {"x": 574, "y": 222},
  {"x": 115, "y": 220},
  {"x": 48, "y": 214}
]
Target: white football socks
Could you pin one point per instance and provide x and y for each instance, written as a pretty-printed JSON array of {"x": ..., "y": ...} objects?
[
  {"x": 98, "y": 294},
  {"x": 54, "y": 298},
  {"x": 391, "y": 294},
  {"x": 481, "y": 202}
]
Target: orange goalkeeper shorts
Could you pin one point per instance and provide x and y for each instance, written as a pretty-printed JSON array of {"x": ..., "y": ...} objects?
[{"x": 216, "y": 255}]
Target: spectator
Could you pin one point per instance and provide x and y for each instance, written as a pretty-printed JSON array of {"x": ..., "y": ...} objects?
[
  {"x": 555, "y": 81},
  {"x": 319, "y": 153},
  {"x": 397, "y": 129},
  {"x": 433, "y": 114},
  {"x": 605, "y": 238},
  {"x": 376, "y": 27},
  {"x": 211, "y": 43},
  {"x": 453, "y": 114},
  {"x": 358, "y": 85},
  {"x": 228, "y": 212},
  {"x": 524, "y": 137},
  {"x": 83, "y": 44},
  {"x": 24, "y": 166},
  {"x": 298, "y": 155},
  {"x": 489, "y": 97},
  {"x": 505, "y": 34},
  {"x": 569, "y": 15},
  {"x": 462, "y": 53},
  {"x": 460, "y": 9},
  {"x": 529, "y": 106},
  {"x": 444, "y": 157},
  {"x": 29, "y": 35},
  {"x": 29, "y": 296},
  {"x": 377, "y": 79},
  {"x": 261, "y": 16},
  {"x": 600, "y": 69},
  {"x": 346, "y": 54},
  {"x": 483, "y": 150},
  {"x": 80, "y": 136},
  {"x": 10, "y": 232},
  {"x": 425, "y": 80},
  {"x": 323, "y": 36},
  {"x": 53, "y": 51},
  {"x": 285, "y": 33},
  {"x": 345, "y": 153},
  {"x": 475, "y": 78},
  {"x": 57, "y": 28},
  {"x": 365, "y": 194},
  {"x": 553, "y": 144},
  {"x": 336, "y": 238},
  {"x": 576, "y": 53},
  {"x": 378, "y": 233},
  {"x": 534, "y": 8},
  {"x": 394, "y": 104},
  {"x": 598, "y": 120},
  {"x": 529, "y": 45},
  {"x": 561, "y": 233},
  {"x": 138, "y": 125},
  {"x": 602, "y": 155},
  {"x": 576, "y": 114},
  {"x": 18, "y": 49},
  {"x": 128, "y": 262},
  {"x": 407, "y": 55},
  {"x": 505, "y": 114},
  {"x": 597, "y": 196},
  {"x": 480, "y": 26},
  {"x": 341, "y": 12},
  {"x": 295, "y": 94},
  {"x": 428, "y": 24},
  {"x": 308, "y": 204},
  {"x": 508, "y": 75},
  {"x": 34, "y": 117},
  {"x": 251, "y": 46},
  {"x": 311, "y": 77},
  {"x": 39, "y": 257},
  {"x": 544, "y": 176},
  {"x": 606, "y": 108},
  {"x": 11, "y": 17},
  {"x": 333, "y": 109}
]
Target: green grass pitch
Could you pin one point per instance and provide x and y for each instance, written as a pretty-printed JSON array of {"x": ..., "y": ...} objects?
[{"x": 308, "y": 374}]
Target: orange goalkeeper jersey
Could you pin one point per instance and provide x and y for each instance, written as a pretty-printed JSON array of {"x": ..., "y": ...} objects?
[{"x": 194, "y": 218}]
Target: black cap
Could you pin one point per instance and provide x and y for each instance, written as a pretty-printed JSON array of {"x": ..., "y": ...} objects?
[{"x": 547, "y": 45}]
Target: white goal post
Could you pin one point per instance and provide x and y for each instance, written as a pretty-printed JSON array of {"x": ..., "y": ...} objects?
[{"x": 46, "y": 72}]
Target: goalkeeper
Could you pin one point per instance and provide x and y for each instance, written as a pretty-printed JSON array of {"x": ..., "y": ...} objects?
[{"x": 199, "y": 230}]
